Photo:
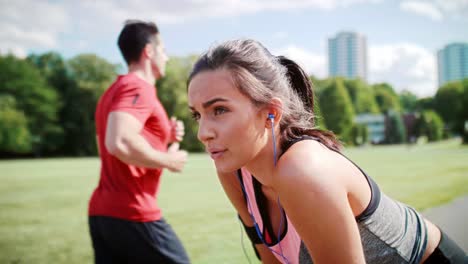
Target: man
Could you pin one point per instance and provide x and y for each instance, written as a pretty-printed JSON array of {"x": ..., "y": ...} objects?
[{"x": 133, "y": 132}]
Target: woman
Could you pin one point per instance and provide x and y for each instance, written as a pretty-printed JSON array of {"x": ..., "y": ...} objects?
[{"x": 255, "y": 111}]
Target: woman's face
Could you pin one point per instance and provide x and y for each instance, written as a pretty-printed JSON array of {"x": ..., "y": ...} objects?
[{"x": 231, "y": 128}]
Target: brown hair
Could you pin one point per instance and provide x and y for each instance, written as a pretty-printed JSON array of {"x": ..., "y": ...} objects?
[
  {"x": 261, "y": 76},
  {"x": 133, "y": 38}
]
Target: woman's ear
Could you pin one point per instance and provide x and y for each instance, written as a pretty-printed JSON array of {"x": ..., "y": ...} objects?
[{"x": 274, "y": 112}]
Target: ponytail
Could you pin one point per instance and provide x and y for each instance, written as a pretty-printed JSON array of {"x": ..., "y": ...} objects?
[
  {"x": 302, "y": 86},
  {"x": 299, "y": 82},
  {"x": 261, "y": 76}
]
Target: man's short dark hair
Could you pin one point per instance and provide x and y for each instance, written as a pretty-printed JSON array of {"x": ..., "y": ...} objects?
[{"x": 133, "y": 38}]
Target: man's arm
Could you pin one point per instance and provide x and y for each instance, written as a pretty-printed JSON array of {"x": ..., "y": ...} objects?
[{"x": 123, "y": 140}]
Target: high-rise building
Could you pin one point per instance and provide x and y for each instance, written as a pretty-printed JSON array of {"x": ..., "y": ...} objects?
[
  {"x": 347, "y": 55},
  {"x": 452, "y": 62}
]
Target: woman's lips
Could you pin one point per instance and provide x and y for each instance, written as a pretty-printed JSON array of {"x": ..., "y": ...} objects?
[{"x": 216, "y": 153}]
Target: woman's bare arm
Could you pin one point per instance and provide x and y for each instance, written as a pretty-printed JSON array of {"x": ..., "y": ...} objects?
[{"x": 316, "y": 201}]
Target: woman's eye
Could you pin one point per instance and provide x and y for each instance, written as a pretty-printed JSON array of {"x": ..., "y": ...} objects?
[
  {"x": 195, "y": 116},
  {"x": 220, "y": 110}
]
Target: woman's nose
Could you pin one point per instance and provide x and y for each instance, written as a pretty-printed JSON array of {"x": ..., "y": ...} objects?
[{"x": 205, "y": 132}]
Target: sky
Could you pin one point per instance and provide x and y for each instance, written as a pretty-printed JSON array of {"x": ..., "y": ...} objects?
[{"x": 403, "y": 36}]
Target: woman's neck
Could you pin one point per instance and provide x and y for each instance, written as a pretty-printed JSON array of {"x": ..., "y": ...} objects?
[{"x": 263, "y": 165}]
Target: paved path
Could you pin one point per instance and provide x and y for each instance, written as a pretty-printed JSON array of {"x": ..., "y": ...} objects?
[{"x": 453, "y": 219}]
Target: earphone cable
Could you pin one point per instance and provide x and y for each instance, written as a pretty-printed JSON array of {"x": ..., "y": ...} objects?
[{"x": 242, "y": 241}]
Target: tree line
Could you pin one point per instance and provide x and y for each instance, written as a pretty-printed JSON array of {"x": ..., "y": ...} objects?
[{"x": 47, "y": 105}]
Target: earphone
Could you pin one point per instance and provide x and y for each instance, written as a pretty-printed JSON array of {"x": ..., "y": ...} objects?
[
  {"x": 272, "y": 118},
  {"x": 250, "y": 209},
  {"x": 257, "y": 228}
]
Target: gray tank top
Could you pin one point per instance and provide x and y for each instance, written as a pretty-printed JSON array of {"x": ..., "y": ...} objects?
[
  {"x": 394, "y": 233},
  {"x": 391, "y": 232}
]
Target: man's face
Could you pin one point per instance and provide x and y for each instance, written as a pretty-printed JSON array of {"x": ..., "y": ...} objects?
[{"x": 159, "y": 58}]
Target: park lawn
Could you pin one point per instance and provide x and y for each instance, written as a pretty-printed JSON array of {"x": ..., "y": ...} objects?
[{"x": 43, "y": 202}]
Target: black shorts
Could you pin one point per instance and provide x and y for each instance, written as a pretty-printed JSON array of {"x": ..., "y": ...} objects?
[
  {"x": 447, "y": 252},
  {"x": 120, "y": 241}
]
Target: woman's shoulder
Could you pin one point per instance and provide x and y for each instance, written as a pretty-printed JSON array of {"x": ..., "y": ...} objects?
[
  {"x": 306, "y": 172},
  {"x": 306, "y": 160}
]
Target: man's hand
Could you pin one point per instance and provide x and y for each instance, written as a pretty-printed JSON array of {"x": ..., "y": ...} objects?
[
  {"x": 178, "y": 158},
  {"x": 177, "y": 130}
]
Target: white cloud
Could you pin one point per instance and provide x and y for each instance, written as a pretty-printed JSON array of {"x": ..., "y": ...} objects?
[
  {"x": 437, "y": 9},
  {"x": 312, "y": 63},
  {"x": 452, "y": 5},
  {"x": 404, "y": 66},
  {"x": 182, "y": 10},
  {"x": 33, "y": 24},
  {"x": 422, "y": 8},
  {"x": 9, "y": 48},
  {"x": 25, "y": 24}
]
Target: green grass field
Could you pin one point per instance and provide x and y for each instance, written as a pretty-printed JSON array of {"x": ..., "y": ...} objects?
[{"x": 43, "y": 202}]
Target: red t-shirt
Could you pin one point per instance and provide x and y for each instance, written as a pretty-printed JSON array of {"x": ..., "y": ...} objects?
[{"x": 126, "y": 191}]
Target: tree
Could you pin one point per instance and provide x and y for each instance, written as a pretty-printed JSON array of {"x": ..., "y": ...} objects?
[
  {"x": 337, "y": 109},
  {"x": 14, "y": 133},
  {"x": 362, "y": 96},
  {"x": 92, "y": 73},
  {"x": 34, "y": 97},
  {"x": 449, "y": 105},
  {"x": 359, "y": 134},
  {"x": 91, "y": 76},
  {"x": 395, "y": 132},
  {"x": 426, "y": 103},
  {"x": 408, "y": 101},
  {"x": 319, "y": 85},
  {"x": 464, "y": 113},
  {"x": 172, "y": 91},
  {"x": 386, "y": 98},
  {"x": 318, "y": 117},
  {"x": 430, "y": 125},
  {"x": 53, "y": 68}
]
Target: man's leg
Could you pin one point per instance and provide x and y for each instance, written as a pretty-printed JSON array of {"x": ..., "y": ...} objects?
[
  {"x": 102, "y": 252},
  {"x": 166, "y": 243}
]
